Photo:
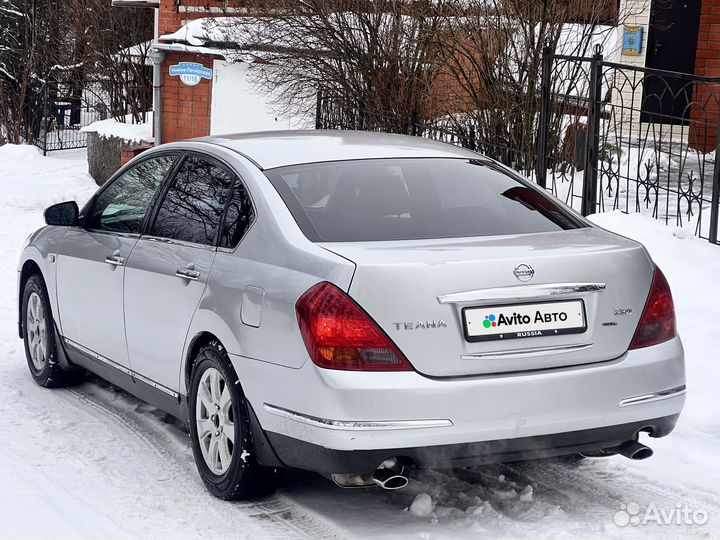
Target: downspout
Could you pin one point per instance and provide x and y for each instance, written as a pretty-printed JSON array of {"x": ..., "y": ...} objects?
[{"x": 158, "y": 57}]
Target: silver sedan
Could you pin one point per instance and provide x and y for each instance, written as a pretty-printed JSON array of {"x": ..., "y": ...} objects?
[{"x": 352, "y": 304}]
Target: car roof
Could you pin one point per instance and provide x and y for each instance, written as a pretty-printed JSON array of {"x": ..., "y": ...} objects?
[{"x": 270, "y": 149}]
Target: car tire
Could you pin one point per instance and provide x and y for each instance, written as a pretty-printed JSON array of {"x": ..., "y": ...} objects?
[
  {"x": 227, "y": 464},
  {"x": 40, "y": 338}
]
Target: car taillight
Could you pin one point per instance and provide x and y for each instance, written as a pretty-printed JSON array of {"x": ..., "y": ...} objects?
[
  {"x": 338, "y": 334},
  {"x": 657, "y": 323}
]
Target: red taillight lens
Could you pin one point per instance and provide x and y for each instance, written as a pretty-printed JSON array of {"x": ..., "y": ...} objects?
[
  {"x": 338, "y": 334},
  {"x": 657, "y": 323}
]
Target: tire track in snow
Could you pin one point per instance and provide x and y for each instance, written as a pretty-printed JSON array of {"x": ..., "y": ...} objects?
[
  {"x": 276, "y": 517},
  {"x": 602, "y": 491}
]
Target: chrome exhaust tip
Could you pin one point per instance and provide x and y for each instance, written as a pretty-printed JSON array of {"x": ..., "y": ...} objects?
[
  {"x": 389, "y": 479},
  {"x": 352, "y": 480},
  {"x": 634, "y": 450},
  {"x": 389, "y": 475}
]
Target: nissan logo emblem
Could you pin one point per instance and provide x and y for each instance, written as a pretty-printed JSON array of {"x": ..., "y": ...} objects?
[{"x": 524, "y": 272}]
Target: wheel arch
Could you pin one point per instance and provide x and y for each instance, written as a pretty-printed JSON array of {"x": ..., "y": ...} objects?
[
  {"x": 29, "y": 268},
  {"x": 198, "y": 341},
  {"x": 266, "y": 454}
]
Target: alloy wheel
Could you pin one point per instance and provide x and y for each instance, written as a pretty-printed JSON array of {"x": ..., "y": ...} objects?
[
  {"x": 36, "y": 324},
  {"x": 215, "y": 421}
]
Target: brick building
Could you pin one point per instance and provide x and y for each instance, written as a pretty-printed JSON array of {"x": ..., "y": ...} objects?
[
  {"x": 681, "y": 37},
  {"x": 200, "y": 93}
]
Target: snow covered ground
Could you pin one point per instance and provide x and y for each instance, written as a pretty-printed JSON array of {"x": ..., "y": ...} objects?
[{"x": 93, "y": 462}]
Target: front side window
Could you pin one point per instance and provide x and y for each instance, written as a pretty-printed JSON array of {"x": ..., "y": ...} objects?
[
  {"x": 193, "y": 206},
  {"x": 414, "y": 198},
  {"x": 122, "y": 205}
]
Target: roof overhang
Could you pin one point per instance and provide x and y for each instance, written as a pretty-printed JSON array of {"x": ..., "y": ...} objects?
[{"x": 154, "y": 4}]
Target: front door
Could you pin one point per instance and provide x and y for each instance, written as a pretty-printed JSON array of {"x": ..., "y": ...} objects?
[
  {"x": 672, "y": 44},
  {"x": 168, "y": 269},
  {"x": 91, "y": 261}
]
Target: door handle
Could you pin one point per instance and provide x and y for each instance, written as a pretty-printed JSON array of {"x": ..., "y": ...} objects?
[
  {"x": 187, "y": 273},
  {"x": 115, "y": 260}
]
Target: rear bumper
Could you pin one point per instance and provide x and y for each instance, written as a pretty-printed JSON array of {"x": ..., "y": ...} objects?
[
  {"x": 302, "y": 455},
  {"x": 355, "y": 411}
]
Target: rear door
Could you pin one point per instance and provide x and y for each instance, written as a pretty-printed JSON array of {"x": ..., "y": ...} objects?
[
  {"x": 167, "y": 271},
  {"x": 91, "y": 260}
]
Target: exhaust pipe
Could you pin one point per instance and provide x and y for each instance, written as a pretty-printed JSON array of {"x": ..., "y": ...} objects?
[
  {"x": 634, "y": 450},
  {"x": 389, "y": 475},
  {"x": 389, "y": 479}
]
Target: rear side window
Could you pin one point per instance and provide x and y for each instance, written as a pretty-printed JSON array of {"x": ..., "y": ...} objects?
[
  {"x": 240, "y": 215},
  {"x": 410, "y": 199},
  {"x": 193, "y": 206}
]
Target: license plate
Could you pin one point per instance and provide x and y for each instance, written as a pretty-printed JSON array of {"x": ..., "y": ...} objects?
[{"x": 524, "y": 320}]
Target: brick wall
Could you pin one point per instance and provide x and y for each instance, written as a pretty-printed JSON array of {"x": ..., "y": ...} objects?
[
  {"x": 185, "y": 109},
  {"x": 707, "y": 63},
  {"x": 129, "y": 152}
]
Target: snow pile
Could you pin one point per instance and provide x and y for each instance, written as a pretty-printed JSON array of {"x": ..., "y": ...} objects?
[
  {"x": 125, "y": 130},
  {"x": 30, "y": 182}
]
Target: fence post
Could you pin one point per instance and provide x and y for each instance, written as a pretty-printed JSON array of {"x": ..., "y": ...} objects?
[
  {"x": 318, "y": 109},
  {"x": 715, "y": 204},
  {"x": 589, "y": 200},
  {"x": 46, "y": 117},
  {"x": 544, "y": 120}
]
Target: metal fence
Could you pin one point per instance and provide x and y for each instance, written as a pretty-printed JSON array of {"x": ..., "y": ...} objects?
[
  {"x": 647, "y": 140},
  {"x": 65, "y": 107},
  {"x": 608, "y": 136}
]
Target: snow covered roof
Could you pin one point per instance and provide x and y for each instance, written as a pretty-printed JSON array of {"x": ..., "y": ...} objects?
[
  {"x": 220, "y": 35},
  {"x": 229, "y": 37}
]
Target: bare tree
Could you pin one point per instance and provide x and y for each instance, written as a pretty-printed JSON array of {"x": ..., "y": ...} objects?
[
  {"x": 490, "y": 78},
  {"x": 33, "y": 42},
  {"x": 114, "y": 44},
  {"x": 367, "y": 64},
  {"x": 49, "y": 50}
]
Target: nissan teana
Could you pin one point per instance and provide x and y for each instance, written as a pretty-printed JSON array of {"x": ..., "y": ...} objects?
[{"x": 354, "y": 304}]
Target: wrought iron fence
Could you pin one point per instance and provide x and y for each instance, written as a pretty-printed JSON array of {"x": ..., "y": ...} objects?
[
  {"x": 647, "y": 141},
  {"x": 608, "y": 136},
  {"x": 65, "y": 107}
]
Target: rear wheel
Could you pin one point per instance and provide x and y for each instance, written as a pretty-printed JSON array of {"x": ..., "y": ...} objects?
[
  {"x": 220, "y": 430},
  {"x": 39, "y": 337}
]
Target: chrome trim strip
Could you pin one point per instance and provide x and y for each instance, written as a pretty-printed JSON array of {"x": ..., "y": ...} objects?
[
  {"x": 354, "y": 425},
  {"x": 175, "y": 242},
  {"x": 655, "y": 396},
  {"x": 119, "y": 367},
  {"x": 519, "y": 291},
  {"x": 534, "y": 351}
]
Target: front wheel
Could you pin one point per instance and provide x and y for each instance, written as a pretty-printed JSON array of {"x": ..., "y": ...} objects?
[
  {"x": 39, "y": 338},
  {"x": 220, "y": 431}
]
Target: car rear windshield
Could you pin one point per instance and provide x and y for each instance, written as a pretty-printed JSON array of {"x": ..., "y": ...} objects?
[{"x": 414, "y": 198}]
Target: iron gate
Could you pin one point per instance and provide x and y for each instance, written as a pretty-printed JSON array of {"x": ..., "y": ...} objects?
[{"x": 597, "y": 147}]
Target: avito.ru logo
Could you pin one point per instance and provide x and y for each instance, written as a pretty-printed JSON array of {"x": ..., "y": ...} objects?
[{"x": 680, "y": 514}]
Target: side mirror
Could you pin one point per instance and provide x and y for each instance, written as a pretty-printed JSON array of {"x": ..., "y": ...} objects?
[{"x": 63, "y": 214}]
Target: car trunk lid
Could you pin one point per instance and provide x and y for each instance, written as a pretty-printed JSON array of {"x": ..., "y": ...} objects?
[{"x": 433, "y": 298}]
